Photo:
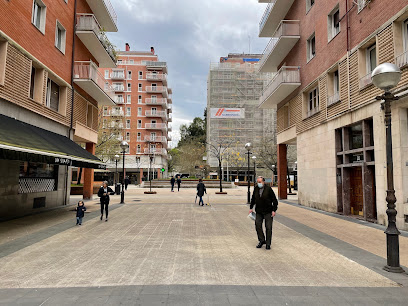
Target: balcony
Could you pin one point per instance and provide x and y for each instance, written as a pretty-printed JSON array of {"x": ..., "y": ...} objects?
[
  {"x": 170, "y": 99},
  {"x": 156, "y": 114},
  {"x": 88, "y": 77},
  {"x": 152, "y": 65},
  {"x": 280, "y": 87},
  {"x": 156, "y": 101},
  {"x": 365, "y": 81},
  {"x": 118, "y": 87},
  {"x": 170, "y": 128},
  {"x": 157, "y": 77},
  {"x": 170, "y": 108},
  {"x": 152, "y": 151},
  {"x": 169, "y": 138},
  {"x": 156, "y": 126},
  {"x": 402, "y": 60},
  {"x": 119, "y": 99},
  {"x": 105, "y": 13},
  {"x": 284, "y": 39},
  {"x": 117, "y": 75},
  {"x": 170, "y": 118},
  {"x": 117, "y": 113},
  {"x": 274, "y": 13},
  {"x": 90, "y": 33},
  {"x": 157, "y": 90},
  {"x": 162, "y": 139},
  {"x": 169, "y": 90}
]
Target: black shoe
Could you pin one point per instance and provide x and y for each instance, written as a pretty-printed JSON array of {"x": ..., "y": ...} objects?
[
  {"x": 80, "y": 223},
  {"x": 260, "y": 245},
  {"x": 106, "y": 220},
  {"x": 268, "y": 247},
  {"x": 101, "y": 217}
]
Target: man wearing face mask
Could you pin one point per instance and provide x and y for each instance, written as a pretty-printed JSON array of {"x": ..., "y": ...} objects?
[{"x": 266, "y": 205}]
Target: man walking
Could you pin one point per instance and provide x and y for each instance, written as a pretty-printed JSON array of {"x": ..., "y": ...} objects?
[
  {"x": 178, "y": 183},
  {"x": 172, "y": 182},
  {"x": 200, "y": 191},
  {"x": 266, "y": 205}
]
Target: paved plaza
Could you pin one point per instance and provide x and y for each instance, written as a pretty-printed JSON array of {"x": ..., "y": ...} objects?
[{"x": 165, "y": 249}]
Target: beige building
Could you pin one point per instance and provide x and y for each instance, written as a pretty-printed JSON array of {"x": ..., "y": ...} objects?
[{"x": 324, "y": 54}]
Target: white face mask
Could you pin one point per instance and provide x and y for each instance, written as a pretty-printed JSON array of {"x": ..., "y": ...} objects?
[{"x": 260, "y": 185}]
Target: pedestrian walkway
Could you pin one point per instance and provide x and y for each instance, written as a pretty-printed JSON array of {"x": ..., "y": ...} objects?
[{"x": 164, "y": 249}]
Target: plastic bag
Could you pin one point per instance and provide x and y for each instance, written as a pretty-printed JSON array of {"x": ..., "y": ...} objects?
[{"x": 252, "y": 216}]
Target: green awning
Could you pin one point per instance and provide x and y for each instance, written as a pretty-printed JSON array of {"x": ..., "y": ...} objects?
[{"x": 25, "y": 142}]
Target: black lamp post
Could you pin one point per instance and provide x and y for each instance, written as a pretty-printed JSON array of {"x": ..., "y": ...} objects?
[
  {"x": 254, "y": 159},
  {"x": 386, "y": 76},
  {"x": 124, "y": 146},
  {"x": 248, "y": 146},
  {"x": 117, "y": 158},
  {"x": 150, "y": 167}
]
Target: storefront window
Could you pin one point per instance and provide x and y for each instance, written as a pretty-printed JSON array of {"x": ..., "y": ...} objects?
[
  {"x": 356, "y": 136},
  {"x": 37, "y": 170}
]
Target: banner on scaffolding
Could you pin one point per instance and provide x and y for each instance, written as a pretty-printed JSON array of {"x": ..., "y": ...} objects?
[{"x": 222, "y": 113}]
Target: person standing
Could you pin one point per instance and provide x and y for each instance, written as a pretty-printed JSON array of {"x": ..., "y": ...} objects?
[
  {"x": 266, "y": 205},
  {"x": 104, "y": 193},
  {"x": 200, "y": 191},
  {"x": 80, "y": 212},
  {"x": 178, "y": 183},
  {"x": 127, "y": 181},
  {"x": 172, "y": 182}
]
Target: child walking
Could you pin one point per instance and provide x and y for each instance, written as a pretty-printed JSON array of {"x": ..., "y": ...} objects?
[{"x": 80, "y": 212}]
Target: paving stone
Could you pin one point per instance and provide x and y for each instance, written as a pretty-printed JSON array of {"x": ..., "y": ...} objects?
[{"x": 243, "y": 299}]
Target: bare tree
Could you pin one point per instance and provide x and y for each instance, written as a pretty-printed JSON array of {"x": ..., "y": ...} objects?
[{"x": 217, "y": 150}]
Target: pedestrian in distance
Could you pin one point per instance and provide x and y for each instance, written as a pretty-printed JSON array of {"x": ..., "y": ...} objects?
[
  {"x": 172, "y": 182},
  {"x": 200, "y": 191},
  {"x": 178, "y": 183},
  {"x": 104, "y": 193},
  {"x": 80, "y": 212},
  {"x": 266, "y": 204},
  {"x": 127, "y": 182}
]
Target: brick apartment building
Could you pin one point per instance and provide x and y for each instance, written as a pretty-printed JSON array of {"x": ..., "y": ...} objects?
[
  {"x": 144, "y": 107},
  {"x": 50, "y": 91},
  {"x": 323, "y": 53}
]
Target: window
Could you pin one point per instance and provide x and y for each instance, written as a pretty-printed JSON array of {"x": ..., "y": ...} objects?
[
  {"x": 309, "y": 4},
  {"x": 139, "y": 124},
  {"x": 153, "y": 136},
  {"x": 129, "y": 99},
  {"x": 60, "y": 35},
  {"x": 138, "y": 160},
  {"x": 140, "y": 75},
  {"x": 128, "y": 111},
  {"x": 129, "y": 87},
  {"x": 53, "y": 95},
  {"x": 129, "y": 75},
  {"x": 333, "y": 23},
  {"x": 312, "y": 102},
  {"x": 32, "y": 82},
  {"x": 119, "y": 99},
  {"x": 38, "y": 15},
  {"x": 140, "y": 87},
  {"x": 139, "y": 111},
  {"x": 128, "y": 124},
  {"x": 154, "y": 99},
  {"x": 132, "y": 62},
  {"x": 336, "y": 82},
  {"x": 311, "y": 47},
  {"x": 105, "y": 123},
  {"x": 139, "y": 150},
  {"x": 371, "y": 58},
  {"x": 333, "y": 88},
  {"x": 405, "y": 35},
  {"x": 105, "y": 111},
  {"x": 106, "y": 74},
  {"x": 119, "y": 62},
  {"x": 356, "y": 136},
  {"x": 139, "y": 100},
  {"x": 154, "y": 110},
  {"x": 139, "y": 136},
  {"x": 127, "y": 136}
]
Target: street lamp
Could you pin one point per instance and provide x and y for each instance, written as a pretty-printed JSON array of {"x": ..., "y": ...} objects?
[
  {"x": 124, "y": 146},
  {"x": 248, "y": 146},
  {"x": 254, "y": 159},
  {"x": 386, "y": 76},
  {"x": 117, "y": 158}
]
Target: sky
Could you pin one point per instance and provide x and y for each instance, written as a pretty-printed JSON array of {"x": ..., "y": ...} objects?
[{"x": 189, "y": 35}]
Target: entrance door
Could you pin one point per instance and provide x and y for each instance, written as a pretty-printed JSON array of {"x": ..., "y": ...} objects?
[{"x": 356, "y": 196}]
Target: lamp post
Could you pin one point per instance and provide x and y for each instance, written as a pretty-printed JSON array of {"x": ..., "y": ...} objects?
[
  {"x": 386, "y": 76},
  {"x": 150, "y": 168},
  {"x": 254, "y": 159},
  {"x": 248, "y": 146},
  {"x": 117, "y": 158},
  {"x": 124, "y": 146}
]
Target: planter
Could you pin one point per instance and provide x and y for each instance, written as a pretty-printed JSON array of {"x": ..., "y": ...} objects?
[
  {"x": 150, "y": 192},
  {"x": 221, "y": 192}
]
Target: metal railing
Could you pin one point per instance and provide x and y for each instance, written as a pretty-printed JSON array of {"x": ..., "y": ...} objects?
[
  {"x": 155, "y": 151},
  {"x": 285, "y": 28},
  {"x": 333, "y": 99},
  {"x": 150, "y": 113},
  {"x": 156, "y": 64},
  {"x": 266, "y": 14},
  {"x": 156, "y": 76},
  {"x": 88, "y": 22},
  {"x": 111, "y": 11},
  {"x": 117, "y": 113},
  {"x": 158, "y": 89},
  {"x": 89, "y": 71},
  {"x": 402, "y": 60},
  {"x": 117, "y": 75},
  {"x": 156, "y": 126},
  {"x": 365, "y": 81},
  {"x": 155, "y": 139},
  {"x": 118, "y": 87},
  {"x": 32, "y": 185},
  {"x": 285, "y": 75},
  {"x": 156, "y": 101}
]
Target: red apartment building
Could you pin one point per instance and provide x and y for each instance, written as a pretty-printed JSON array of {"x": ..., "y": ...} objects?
[
  {"x": 323, "y": 54},
  {"x": 144, "y": 107},
  {"x": 50, "y": 91}
]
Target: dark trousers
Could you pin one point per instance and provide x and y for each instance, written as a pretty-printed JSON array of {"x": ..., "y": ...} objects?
[
  {"x": 268, "y": 225},
  {"x": 178, "y": 187},
  {"x": 172, "y": 187},
  {"x": 106, "y": 206},
  {"x": 201, "y": 200}
]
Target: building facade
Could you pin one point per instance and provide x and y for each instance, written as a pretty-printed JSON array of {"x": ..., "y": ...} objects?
[
  {"x": 323, "y": 53},
  {"x": 143, "y": 110},
  {"x": 233, "y": 119},
  {"x": 50, "y": 91}
]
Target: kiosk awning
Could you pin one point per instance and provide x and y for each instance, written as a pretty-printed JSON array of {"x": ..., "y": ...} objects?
[{"x": 25, "y": 142}]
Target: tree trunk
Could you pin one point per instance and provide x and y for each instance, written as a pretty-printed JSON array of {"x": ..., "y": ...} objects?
[{"x": 219, "y": 164}]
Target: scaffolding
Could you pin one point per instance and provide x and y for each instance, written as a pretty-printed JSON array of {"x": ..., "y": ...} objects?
[{"x": 238, "y": 85}]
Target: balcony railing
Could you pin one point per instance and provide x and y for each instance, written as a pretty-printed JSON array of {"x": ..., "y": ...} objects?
[
  {"x": 156, "y": 77},
  {"x": 111, "y": 10},
  {"x": 118, "y": 100},
  {"x": 118, "y": 87},
  {"x": 402, "y": 60},
  {"x": 156, "y": 126},
  {"x": 117, "y": 75},
  {"x": 366, "y": 81},
  {"x": 155, "y": 151},
  {"x": 287, "y": 29},
  {"x": 117, "y": 113},
  {"x": 156, "y": 89},
  {"x": 333, "y": 99},
  {"x": 155, "y": 139},
  {"x": 161, "y": 114},
  {"x": 89, "y": 71},
  {"x": 88, "y": 22},
  {"x": 156, "y": 101},
  {"x": 266, "y": 15},
  {"x": 152, "y": 64}
]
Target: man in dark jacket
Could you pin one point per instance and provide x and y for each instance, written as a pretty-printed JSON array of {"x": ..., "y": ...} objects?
[
  {"x": 266, "y": 205},
  {"x": 104, "y": 193},
  {"x": 200, "y": 191},
  {"x": 178, "y": 183},
  {"x": 172, "y": 182}
]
